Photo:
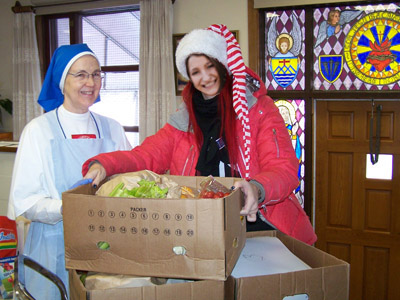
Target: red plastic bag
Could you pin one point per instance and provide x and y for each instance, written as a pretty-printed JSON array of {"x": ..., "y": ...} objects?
[
  {"x": 211, "y": 188},
  {"x": 8, "y": 252},
  {"x": 8, "y": 237}
]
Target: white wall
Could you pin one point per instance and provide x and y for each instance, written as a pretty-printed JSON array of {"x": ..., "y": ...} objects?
[
  {"x": 6, "y": 167},
  {"x": 192, "y": 14}
]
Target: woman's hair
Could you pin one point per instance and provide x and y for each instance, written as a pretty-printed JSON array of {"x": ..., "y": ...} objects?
[{"x": 225, "y": 109}]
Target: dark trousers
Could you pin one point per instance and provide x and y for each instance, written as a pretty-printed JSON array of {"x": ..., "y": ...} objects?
[{"x": 258, "y": 225}]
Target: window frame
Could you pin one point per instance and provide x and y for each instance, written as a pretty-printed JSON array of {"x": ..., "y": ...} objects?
[{"x": 47, "y": 38}]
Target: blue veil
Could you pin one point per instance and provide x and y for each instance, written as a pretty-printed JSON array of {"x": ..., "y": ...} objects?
[{"x": 51, "y": 95}]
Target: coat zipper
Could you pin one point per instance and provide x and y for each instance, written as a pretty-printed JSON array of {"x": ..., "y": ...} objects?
[
  {"x": 264, "y": 208},
  {"x": 276, "y": 142},
  {"x": 187, "y": 160}
]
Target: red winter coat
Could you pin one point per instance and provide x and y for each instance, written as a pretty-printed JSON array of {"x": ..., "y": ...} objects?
[{"x": 273, "y": 161}]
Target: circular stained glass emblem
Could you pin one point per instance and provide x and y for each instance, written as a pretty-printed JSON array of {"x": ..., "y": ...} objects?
[{"x": 372, "y": 48}]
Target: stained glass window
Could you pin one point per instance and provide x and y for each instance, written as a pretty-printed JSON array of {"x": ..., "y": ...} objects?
[
  {"x": 292, "y": 112},
  {"x": 332, "y": 50},
  {"x": 284, "y": 50},
  {"x": 357, "y": 48}
]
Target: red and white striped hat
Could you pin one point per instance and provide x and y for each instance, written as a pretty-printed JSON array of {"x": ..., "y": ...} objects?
[{"x": 219, "y": 43}]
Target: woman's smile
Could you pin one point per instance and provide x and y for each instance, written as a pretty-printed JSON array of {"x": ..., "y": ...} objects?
[{"x": 204, "y": 75}]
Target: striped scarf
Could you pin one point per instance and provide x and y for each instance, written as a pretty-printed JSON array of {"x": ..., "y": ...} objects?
[{"x": 237, "y": 67}]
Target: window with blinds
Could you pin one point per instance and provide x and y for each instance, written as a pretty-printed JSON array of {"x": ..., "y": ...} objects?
[{"x": 114, "y": 37}]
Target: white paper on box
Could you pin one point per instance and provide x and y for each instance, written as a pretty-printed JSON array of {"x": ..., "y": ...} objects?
[{"x": 265, "y": 256}]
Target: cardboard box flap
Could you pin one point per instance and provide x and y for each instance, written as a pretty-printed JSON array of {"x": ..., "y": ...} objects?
[
  {"x": 321, "y": 283},
  {"x": 196, "y": 290}
]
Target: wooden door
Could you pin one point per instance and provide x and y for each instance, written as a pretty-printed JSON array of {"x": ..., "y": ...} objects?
[{"x": 358, "y": 219}]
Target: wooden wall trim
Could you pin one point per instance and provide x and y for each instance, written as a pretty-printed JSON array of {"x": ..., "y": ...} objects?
[
  {"x": 18, "y": 8},
  {"x": 253, "y": 35}
]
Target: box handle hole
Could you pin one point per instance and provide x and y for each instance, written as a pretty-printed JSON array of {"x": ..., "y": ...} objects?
[
  {"x": 235, "y": 243},
  {"x": 179, "y": 250}
]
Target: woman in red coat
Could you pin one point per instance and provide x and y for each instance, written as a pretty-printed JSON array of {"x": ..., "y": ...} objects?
[{"x": 226, "y": 126}]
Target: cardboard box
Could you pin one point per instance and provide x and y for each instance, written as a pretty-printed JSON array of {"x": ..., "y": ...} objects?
[
  {"x": 197, "y": 290},
  {"x": 327, "y": 279},
  {"x": 173, "y": 238}
]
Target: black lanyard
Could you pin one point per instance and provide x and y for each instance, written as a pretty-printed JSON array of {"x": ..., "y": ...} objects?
[{"x": 374, "y": 153}]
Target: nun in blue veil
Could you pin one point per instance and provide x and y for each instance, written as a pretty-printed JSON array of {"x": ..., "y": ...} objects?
[{"x": 50, "y": 154}]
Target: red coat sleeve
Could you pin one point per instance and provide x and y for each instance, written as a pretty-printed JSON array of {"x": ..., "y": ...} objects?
[{"x": 153, "y": 154}]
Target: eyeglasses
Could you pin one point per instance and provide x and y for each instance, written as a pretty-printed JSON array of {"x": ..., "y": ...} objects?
[{"x": 84, "y": 76}]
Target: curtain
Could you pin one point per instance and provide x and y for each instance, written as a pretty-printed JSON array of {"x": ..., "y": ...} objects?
[
  {"x": 156, "y": 74},
  {"x": 26, "y": 73}
]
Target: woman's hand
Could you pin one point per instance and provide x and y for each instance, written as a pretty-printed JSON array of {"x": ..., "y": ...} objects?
[
  {"x": 250, "y": 192},
  {"x": 97, "y": 173}
]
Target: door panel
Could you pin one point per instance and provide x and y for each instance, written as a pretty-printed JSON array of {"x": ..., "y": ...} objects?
[{"x": 358, "y": 219}]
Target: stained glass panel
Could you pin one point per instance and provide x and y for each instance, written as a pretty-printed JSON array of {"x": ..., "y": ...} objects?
[
  {"x": 293, "y": 113},
  {"x": 284, "y": 50},
  {"x": 357, "y": 47}
]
